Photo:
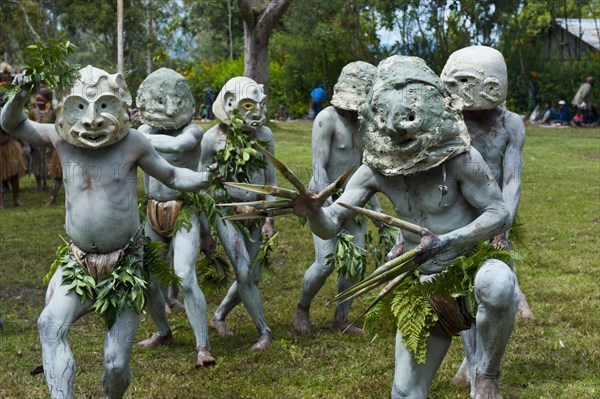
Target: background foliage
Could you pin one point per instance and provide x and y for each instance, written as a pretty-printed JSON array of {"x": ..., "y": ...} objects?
[{"x": 203, "y": 39}]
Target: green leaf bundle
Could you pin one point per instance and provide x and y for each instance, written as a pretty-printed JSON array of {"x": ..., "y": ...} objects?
[{"x": 46, "y": 65}]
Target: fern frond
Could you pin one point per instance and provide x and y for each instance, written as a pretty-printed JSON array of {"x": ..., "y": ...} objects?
[{"x": 214, "y": 273}]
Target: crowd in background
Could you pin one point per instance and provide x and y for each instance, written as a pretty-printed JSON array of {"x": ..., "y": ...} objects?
[{"x": 585, "y": 114}]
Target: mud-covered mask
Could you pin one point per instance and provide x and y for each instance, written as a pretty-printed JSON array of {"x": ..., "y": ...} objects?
[
  {"x": 411, "y": 123},
  {"x": 165, "y": 100},
  {"x": 93, "y": 113},
  {"x": 478, "y": 75},
  {"x": 247, "y": 97},
  {"x": 354, "y": 83}
]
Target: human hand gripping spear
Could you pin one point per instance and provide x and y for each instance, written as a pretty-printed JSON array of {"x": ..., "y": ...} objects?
[{"x": 392, "y": 272}]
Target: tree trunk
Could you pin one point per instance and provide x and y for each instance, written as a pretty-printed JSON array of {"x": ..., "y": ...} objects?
[
  {"x": 120, "y": 63},
  {"x": 259, "y": 18},
  {"x": 256, "y": 56},
  {"x": 150, "y": 36},
  {"x": 229, "y": 30}
]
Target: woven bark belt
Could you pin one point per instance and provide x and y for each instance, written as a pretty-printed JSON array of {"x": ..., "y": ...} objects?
[
  {"x": 162, "y": 215},
  {"x": 97, "y": 265},
  {"x": 452, "y": 313}
]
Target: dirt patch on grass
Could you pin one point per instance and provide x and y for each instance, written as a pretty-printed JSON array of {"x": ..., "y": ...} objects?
[{"x": 593, "y": 156}]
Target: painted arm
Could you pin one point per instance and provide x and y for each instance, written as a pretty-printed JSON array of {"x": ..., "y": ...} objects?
[
  {"x": 513, "y": 170},
  {"x": 512, "y": 174},
  {"x": 15, "y": 123},
  {"x": 208, "y": 146},
  {"x": 156, "y": 166},
  {"x": 479, "y": 189},
  {"x": 322, "y": 134},
  {"x": 327, "y": 222},
  {"x": 190, "y": 137}
]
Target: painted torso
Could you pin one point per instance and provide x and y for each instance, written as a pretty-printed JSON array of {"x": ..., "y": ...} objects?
[
  {"x": 345, "y": 143},
  {"x": 101, "y": 193}
]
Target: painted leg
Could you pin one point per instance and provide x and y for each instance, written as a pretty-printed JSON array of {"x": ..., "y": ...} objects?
[
  {"x": 466, "y": 371},
  {"x": 313, "y": 281},
  {"x": 54, "y": 323},
  {"x": 241, "y": 251},
  {"x": 231, "y": 300},
  {"x": 185, "y": 251},
  {"x": 412, "y": 380},
  {"x": 523, "y": 308},
  {"x": 494, "y": 291},
  {"x": 156, "y": 307},
  {"x": 340, "y": 320},
  {"x": 118, "y": 342}
]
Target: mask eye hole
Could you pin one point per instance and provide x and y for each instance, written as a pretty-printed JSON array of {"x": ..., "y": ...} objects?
[
  {"x": 464, "y": 80},
  {"x": 80, "y": 106}
]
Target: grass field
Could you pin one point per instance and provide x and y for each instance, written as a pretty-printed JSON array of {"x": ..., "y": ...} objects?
[{"x": 557, "y": 356}]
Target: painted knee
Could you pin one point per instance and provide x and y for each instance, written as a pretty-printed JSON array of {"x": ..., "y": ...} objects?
[
  {"x": 495, "y": 285},
  {"x": 51, "y": 330},
  {"x": 116, "y": 367},
  {"x": 244, "y": 276},
  {"x": 188, "y": 283}
]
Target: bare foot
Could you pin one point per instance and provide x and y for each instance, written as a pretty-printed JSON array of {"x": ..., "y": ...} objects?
[
  {"x": 487, "y": 388},
  {"x": 205, "y": 357},
  {"x": 301, "y": 321},
  {"x": 461, "y": 378},
  {"x": 343, "y": 326},
  {"x": 221, "y": 327},
  {"x": 155, "y": 340},
  {"x": 51, "y": 201},
  {"x": 263, "y": 342},
  {"x": 524, "y": 310},
  {"x": 18, "y": 202}
]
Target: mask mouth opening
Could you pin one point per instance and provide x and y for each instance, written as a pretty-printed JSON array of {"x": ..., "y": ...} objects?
[{"x": 94, "y": 138}]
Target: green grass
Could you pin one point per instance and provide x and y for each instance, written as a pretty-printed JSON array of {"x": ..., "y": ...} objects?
[{"x": 557, "y": 356}]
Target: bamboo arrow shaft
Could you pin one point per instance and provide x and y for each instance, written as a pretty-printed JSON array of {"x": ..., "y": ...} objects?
[{"x": 387, "y": 219}]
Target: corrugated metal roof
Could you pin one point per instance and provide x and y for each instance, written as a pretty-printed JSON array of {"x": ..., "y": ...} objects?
[{"x": 587, "y": 29}]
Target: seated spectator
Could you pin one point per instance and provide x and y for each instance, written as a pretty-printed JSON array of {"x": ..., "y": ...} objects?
[
  {"x": 281, "y": 113},
  {"x": 564, "y": 115},
  {"x": 548, "y": 115}
]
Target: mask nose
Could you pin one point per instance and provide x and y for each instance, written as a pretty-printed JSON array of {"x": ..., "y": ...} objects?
[
  {"x": 92, "y": 118},
  {"x": 170, "y": 108},
  {"x": 403, "y": 119}
]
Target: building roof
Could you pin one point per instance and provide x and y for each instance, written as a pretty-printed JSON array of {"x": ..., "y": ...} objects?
[{"x": 587, "y": 29}]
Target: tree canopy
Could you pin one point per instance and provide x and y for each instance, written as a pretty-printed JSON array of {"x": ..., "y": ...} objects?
[{"x": 309, "y": 41}]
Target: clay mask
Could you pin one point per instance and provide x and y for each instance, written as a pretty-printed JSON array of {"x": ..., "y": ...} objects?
[
  {"x": 247, "y": 97},
  {"x": 478, "y": 75},
  {"x": 411, "y": 123},
  {"x": 354, "y": 83},
  {"x": 92, "y": 113},
  {"x": 165, "y": 100}
]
